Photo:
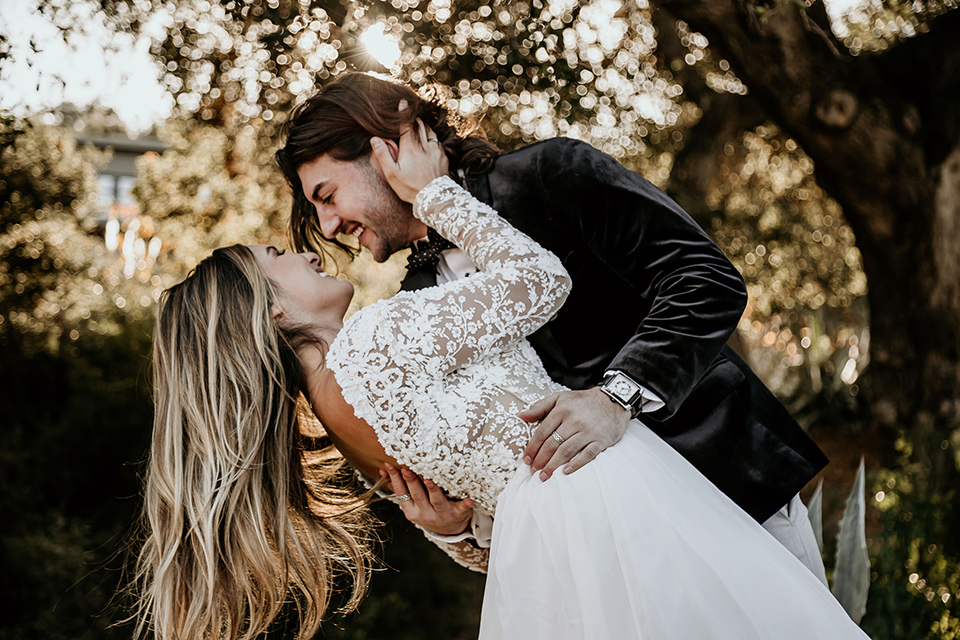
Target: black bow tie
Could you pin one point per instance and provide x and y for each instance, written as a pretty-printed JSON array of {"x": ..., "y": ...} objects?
[{"x": 426, "y": 253}]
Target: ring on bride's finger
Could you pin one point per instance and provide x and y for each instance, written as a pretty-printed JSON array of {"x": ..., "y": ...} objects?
[
  {"x": 559, "y": 438},
  {"x": 404, "y": 498},
  {"x": 432, "y": 140}
]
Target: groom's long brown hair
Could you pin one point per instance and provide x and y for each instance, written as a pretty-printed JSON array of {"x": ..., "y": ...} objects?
[{"x": 341, "y": 119}]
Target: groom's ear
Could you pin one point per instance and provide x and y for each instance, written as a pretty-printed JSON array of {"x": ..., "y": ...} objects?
[{"x": 394, "y": 148}]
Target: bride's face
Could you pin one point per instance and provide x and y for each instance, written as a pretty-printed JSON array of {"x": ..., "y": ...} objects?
[{"x": 307, "y": 294}]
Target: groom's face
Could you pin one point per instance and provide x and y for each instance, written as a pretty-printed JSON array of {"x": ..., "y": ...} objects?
[{"x": 353, "y": 198}]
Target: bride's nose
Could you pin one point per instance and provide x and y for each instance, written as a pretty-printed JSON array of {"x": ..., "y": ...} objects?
[{"x": 311, "y": 257}]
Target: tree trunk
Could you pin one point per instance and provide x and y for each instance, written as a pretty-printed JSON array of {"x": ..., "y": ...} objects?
[{"x": 883, "y": 133}]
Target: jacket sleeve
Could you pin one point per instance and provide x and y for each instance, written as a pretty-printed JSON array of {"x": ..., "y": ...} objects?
[{"x": 696, "y": 295}]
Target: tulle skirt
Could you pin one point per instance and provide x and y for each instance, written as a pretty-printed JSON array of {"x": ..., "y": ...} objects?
[{"x": 638, "y": 544}]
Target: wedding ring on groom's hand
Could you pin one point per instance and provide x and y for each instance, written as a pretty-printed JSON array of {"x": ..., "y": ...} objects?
[
  {"x": 559, "y": 438},
  {"x": 432, "y": 140},
  {"x": 404, "y": 498}
]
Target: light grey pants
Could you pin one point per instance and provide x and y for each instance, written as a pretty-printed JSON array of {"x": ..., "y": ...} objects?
[{"x": 791, "y": 527}]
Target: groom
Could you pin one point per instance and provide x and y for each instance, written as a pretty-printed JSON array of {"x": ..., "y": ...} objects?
[{"x": 643, "y": 332}]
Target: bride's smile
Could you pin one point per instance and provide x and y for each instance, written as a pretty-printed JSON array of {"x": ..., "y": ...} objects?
[{"x": 306, "y": 294}]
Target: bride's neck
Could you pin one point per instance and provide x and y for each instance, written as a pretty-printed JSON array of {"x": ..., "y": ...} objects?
[{"x": 312, "y": 359}]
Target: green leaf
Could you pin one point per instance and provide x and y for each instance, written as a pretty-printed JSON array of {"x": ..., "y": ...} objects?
[
  {"x": 815, "y": 513},
  {"x": 851, "y": 574}
]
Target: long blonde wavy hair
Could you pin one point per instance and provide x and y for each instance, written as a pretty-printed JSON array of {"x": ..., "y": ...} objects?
[{"x": 236, "y": 523}]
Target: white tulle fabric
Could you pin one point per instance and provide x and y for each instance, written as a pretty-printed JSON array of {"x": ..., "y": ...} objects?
[{"x": 636, "y": 544}]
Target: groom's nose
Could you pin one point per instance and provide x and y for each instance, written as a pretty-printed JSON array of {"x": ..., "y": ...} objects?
[{"x": 329, "y": 223}]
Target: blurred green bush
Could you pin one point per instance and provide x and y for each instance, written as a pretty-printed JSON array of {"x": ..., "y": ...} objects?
[{"x": 915, "y": 582}]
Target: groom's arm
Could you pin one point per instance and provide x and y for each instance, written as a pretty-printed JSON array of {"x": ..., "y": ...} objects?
[{"x": 658, "y": 253}]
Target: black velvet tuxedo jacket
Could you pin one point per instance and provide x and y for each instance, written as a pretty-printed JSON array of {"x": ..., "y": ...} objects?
[{"x": 654, "y": 297}]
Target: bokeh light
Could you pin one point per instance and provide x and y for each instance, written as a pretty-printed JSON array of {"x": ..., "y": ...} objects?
[{"x": 383, "y": 47}]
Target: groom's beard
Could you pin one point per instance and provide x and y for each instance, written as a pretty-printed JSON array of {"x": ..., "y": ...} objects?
[{"x": 388, "y": 216}]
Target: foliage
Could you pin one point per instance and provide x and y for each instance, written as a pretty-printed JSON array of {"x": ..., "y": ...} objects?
[
  {"x": 805, "y": 326},
  {"x": 804, "y": 255},
  {"x": 915, "y": 590},
  {"x": 76, "y": 422},
  {"x": 533, "y": 70},
  {"x": 72, "y": 387},
  {"x": 877, "y": 24},
  {"x": 47, "y": 211},
  {"x": 418, "y": 594},
  {"x": 212, "y": 187},
  {"x": 850, "y": 576}
]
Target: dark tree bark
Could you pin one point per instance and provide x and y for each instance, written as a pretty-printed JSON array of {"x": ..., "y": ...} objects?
[{"x": 884, "y": 133}]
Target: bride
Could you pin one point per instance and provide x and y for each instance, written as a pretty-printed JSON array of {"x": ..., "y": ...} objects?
[{"x": 637, "y": 544}]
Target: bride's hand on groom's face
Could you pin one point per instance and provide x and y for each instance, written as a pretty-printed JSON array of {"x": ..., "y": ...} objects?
[
  {"x": 428, "y": 505},
  {"x": 412, "y": 164},
  {"x": 587, "y": 422}
]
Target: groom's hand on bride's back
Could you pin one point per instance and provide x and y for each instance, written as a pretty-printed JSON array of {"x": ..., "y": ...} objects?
[{"x": 587, "y": 422}]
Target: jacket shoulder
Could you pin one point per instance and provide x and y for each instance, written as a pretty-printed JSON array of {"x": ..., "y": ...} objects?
[
  {"x": 552, "y": 164},
  {"x": 551, "y": 150}
]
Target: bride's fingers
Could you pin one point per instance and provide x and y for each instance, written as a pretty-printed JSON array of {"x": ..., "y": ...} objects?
[
  {"x": 416, "y": 489},
  {"x": 397, "y": 483},
  {"x": 438, "y": 498},
  {"x": 411, "y": 164},
  {"x": 419, "y": 133},
  {"x": 401, "y": 107},
  {"x": 441, "y": 501},
  {"x": 410, "y": 133},
  {"x": 387, "y": 154}
]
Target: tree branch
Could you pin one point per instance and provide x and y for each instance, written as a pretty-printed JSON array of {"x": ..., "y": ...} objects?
[{"x": 838, "y": 108}]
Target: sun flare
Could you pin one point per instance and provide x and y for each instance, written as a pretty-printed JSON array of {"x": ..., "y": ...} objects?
[{"x": 382, "y": 46}]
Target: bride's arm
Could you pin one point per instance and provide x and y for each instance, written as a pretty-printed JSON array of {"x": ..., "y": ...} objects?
[
  {"x": 463, "y": 552},
  {"x": 520, "y": 285}
]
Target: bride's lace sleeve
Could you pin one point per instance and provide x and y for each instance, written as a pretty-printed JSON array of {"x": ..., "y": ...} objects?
[
  {"x": 519, "y": 287},
  {"x": 463, "y": 552}
]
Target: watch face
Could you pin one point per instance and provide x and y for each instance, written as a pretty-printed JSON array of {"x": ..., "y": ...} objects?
[{"x": 622, "y": 388}]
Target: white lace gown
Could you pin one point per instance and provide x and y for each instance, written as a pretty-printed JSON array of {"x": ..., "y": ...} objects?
[{"x": 636, "y": 544}]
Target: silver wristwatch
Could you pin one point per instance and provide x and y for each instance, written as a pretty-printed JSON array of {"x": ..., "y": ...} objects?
[{"x": 624, "y": 391}]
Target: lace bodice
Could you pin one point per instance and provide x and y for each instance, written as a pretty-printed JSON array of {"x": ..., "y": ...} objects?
[{"x": 441, "y": 373}]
